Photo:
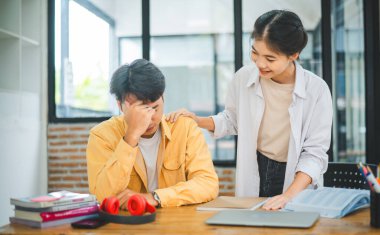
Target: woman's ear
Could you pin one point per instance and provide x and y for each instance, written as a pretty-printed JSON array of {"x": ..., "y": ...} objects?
[{"x": 294, "y": 56}]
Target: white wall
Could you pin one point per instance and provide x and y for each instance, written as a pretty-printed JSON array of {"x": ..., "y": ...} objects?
[{"x": 23, "y": 122}]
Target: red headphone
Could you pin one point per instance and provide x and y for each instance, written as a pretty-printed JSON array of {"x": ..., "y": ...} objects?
[{"x": 137, "y": 206}]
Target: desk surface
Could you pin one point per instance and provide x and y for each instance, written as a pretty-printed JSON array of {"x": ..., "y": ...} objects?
[{"x": 187, "y": 220}]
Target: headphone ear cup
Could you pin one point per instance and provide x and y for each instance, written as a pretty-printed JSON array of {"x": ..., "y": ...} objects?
[
  {"x": 110, "y": 205},
  {"x": 150, "y": 208},
  {"x": 136, "y": 205},
  {"x": 103, "y": 205}
]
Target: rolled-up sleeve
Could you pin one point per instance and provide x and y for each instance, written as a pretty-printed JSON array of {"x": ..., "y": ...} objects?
[{"x": 314, "y": 159}]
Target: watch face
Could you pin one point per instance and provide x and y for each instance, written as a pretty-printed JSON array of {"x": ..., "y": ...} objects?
[{"x": 156, "y": 197}]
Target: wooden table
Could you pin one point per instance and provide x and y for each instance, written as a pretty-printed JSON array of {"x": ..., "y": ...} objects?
[{"x": 187, "y": 220}]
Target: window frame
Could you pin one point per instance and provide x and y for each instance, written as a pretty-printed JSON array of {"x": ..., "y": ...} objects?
[
  {"x": 52, "y": 115},
  {"x": 372, "y": 65}
]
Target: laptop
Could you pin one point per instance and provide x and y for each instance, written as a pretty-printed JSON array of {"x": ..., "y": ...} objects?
[{"x": 265, "y": 218}]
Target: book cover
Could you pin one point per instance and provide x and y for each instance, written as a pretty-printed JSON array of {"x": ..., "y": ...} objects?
[
  {"x": 52, "y": 199},
  {"x": 53, "y": 223},
  {"x": 330, "y": 202},
  {"x": 59, "y": 207},
  {"x": 49, "y": 216},
  {"x": 228, "y": 203}
]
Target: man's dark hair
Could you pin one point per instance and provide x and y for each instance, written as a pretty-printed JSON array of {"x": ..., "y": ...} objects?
[
  {"x": 282, "y": 30},
  {"x": 140, "y": 78}
]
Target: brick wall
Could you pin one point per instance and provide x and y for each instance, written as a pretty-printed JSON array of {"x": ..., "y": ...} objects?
[
  {"x": 67, "y": 167},
  {"x": 67, "y": 160}
]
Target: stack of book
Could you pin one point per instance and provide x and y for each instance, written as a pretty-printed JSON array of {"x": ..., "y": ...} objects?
[{"x": 54, "y": 209}]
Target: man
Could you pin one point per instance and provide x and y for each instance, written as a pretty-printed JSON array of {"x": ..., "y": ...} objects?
[{"x": 139, "y": 152}]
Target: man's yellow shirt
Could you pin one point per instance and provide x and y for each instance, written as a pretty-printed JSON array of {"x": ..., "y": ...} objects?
[{"x": 185, "y": 171}]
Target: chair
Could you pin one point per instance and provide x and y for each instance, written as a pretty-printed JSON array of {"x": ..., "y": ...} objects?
[{"x": 345, "y": 175}]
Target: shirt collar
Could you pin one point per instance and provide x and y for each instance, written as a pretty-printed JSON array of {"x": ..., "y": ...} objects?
[
  {"x": 253, "y": 76},
  {"x": 299, "y": 87},
  {"x": 165, "y": 128}
]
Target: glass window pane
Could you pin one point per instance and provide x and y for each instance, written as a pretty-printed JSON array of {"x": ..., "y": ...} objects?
[
  {"x": 348, "y": 80},
  {"x": 91, "y": 39},
  {"x": 129, "y": 29},
  {"x": 310, "y": 13},
  {"x": 130, "y": 49},
  {"x": 84, "y": 63},
  {"x": 196, "y": 54}
]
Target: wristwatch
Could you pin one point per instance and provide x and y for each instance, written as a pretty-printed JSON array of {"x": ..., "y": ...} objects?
[{"x": 157, "y": 198}]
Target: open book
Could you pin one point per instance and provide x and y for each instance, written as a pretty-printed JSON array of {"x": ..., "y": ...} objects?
[
  {"x": 330, "y": 202},
  {"x": 232, "y": 203}
]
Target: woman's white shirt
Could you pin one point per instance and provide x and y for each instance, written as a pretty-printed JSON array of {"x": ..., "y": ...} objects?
[{"x": 310, "y": 120}]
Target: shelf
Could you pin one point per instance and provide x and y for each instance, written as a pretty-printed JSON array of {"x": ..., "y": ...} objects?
[
  {"x": 20, "y": 34},
  {"x": 7, "y": 34},
  {"x": 29, "y": 42}
]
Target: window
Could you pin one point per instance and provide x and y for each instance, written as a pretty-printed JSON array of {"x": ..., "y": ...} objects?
[
  {"x": 82, "y": 60},
  {"x": 129, "y": 29},
  {"x": 196, "y": 54},
  {"x": 347, "y": 38},
  {"x": 197, "y": 45}
]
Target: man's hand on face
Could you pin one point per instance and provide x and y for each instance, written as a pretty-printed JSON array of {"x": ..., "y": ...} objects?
[
  {"x": 126, "y": 194},
  {"x": 138, "y": 116}
]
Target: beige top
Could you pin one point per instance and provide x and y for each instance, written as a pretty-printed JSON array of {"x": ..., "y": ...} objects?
[{"x": 274, "y": 132}]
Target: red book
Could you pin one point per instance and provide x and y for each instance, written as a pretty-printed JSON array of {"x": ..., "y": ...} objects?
[{"x": 49, "y": 216}]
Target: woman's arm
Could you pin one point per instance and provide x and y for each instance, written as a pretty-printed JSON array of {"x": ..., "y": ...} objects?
[
  {"x": 203, "y": 122},
  {"x": 300, "y": 182}
]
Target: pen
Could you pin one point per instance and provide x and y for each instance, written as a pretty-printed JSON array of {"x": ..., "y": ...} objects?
[
  {"x": 372, "y": 180},
  {"x": 360, "y": 169},
  {"x": 364, "y": 172},
  {"x": 378, "y": 171}
]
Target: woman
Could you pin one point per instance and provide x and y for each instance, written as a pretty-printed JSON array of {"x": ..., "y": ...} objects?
[{"x": 281, "y": 113}]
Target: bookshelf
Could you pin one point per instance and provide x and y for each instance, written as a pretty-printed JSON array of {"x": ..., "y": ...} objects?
[
  {"x": 20, "y": 57},
  {"x": 23, "y": 104}
]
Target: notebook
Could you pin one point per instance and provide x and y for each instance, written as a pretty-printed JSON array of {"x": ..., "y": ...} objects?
[
  {"x": 228, "y": 203},
  {"x": 264, "y": 218}
]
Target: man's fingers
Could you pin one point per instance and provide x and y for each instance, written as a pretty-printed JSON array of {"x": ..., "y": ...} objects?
[
  {"x": 124, "y": 206},
  {"x": 123, "y": 197},
  {"x": 124, "y": 200},
  {"x": 120, "y": 195},
  {"x": 137, "y": 103}
]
